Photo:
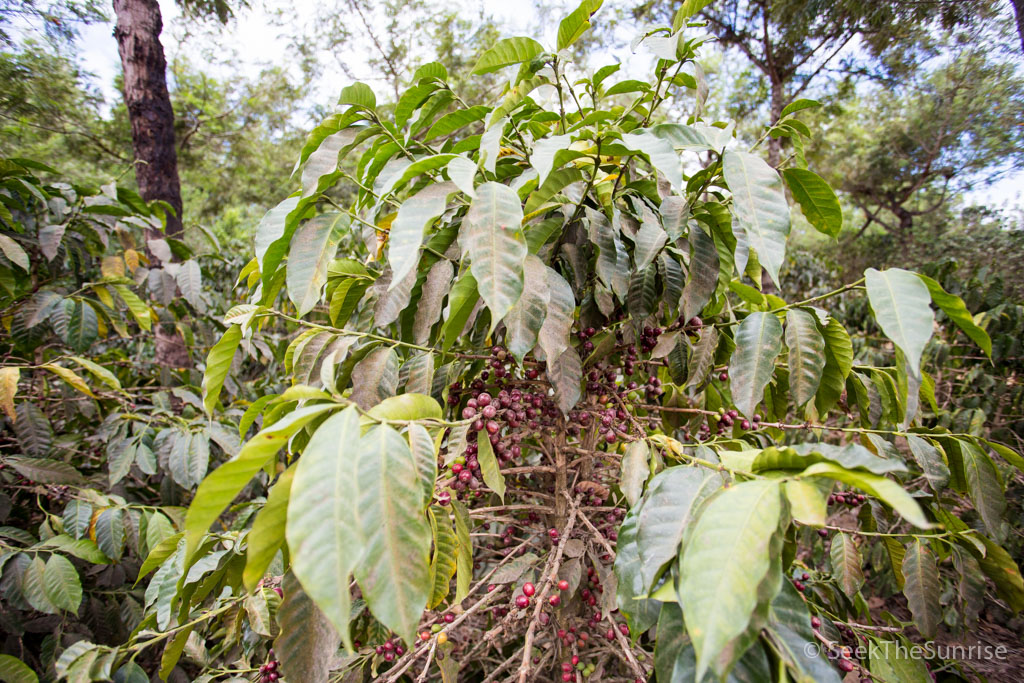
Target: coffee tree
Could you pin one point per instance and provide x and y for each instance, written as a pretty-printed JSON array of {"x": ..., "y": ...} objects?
[{"x": 548, "y": 415}]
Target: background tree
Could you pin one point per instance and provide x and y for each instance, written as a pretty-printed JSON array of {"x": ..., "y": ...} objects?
[
  {"x": 792, "y": 44},
  {"x": 147, "y": 100}
]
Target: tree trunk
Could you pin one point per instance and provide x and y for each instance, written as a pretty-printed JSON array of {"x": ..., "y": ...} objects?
[
  {"x": 149, "y": 104},
  {"x": 778, "y": 103},
  {"x": 1018, "y": 9}
]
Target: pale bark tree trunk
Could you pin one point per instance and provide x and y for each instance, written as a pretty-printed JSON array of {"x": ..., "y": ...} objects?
[
  {"x": 152, "y": 120},
  {"x": 1018, "y": 9},
  {"x": 149, "y": 104},
  {"x": 778, "y": 102}
]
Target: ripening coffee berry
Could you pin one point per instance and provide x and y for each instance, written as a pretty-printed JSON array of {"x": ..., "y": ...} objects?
[
  {"x": 554, "y": 601},
  {"x": 815, "y": 622},
  {"x": 522, "y": 601},
  {"x": 529, "y": 589},
  {"x": 563, "y": 585}
]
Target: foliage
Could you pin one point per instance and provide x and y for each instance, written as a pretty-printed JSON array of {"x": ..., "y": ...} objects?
[{"x": 513, "y": 397}]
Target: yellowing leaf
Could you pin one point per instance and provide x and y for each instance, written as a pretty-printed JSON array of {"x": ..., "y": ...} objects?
[
  {"x": 112, "y": 266},
  {"x": 71, "y": 378},
  {"x": 8, "y": 389}
]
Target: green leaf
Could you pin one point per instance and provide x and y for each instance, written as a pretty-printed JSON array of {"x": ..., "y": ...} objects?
[
  {"x": 561, "y": 307},
  {"x": 703, "y": 357},
  {"x": 642, "y": 295},
  {"x": 566, "y": 374},
  {"x": 984, "y": 487},
  {"x": 573, "y": 26},
  {"x": 492, "y": 475},
  {"x": 461, "y": 301},
  {"x": 325, "y": 539},
  {"x": 817, "y": 200},
  {"x": 890, "y": 660},
  {"x": 227, "y": 481},
  {"x": 443, "y": 563},
  {"x": 100, "y": 373},
  {"x": 190, "y": 281},
  {"x": 375, "y": 377},
  {"x": 493, "y": 238},
  {"x": 172, "y": 652},
  {"x": 267, "y": 535},
  {"x": 799, "y": 456},
  {"x": 806, "y": 355},
  {"x": 702, "y": 276},
  {"x": 727, "y": 554},
  {"x": 506, "y": 52},
  {"x": 649, "y": 239},
  {"x": 789, "y": 630},
  {"x": 659, "y": 152},
  {"x": 954, "y": 307},
  {"x": 83, "y": 548},
  {"x": 630, "y": 594},
  {"x": 33, "y": 429},
  {"x": 158, "y": 553},
  {"x": 847, "y": 568},
  {"x": 759, "y": 207},
  {"x": 544, "y": 151},
  {"x": 455, "y": 121},
  {"x": 13, "y": 670},
  {"x": 14, "y": 253},
  {"x": 189, "y": 458},
  {"x": 83, "y": 326},
  {"x": 307, "y": 644},
  {"x": 406, "y": 235},
  {"x": 136, "y": 306},
  {"x": 33, "y": 587},
  {"x": 464, "y": 554},
  {"x": 45, "y": 470},
  {"x": 405, "y": 408},
  {"x": 61, "y": 584},
  {"x": 807, "y": 503},
  {"x": 891, "y": 493},
  {"x": 424, "y": 452},
  {"x": 921, "y": 587},
  {"x": 110, "y": 536},
  {"x": 674, "y": 497},
  {"x": 313, "y": 247},
  {"x": 77, "y": 519},
  {"x": 930, "y": 460},
  {"x": 688, "y": 9},
  {"x": 612, "y": 260},
  {"x": 524, "y": 321},
  {"x": 270, "y": 229},
  {"x": 901, "y": 301},
  {"x": 758, "y": 343},
  {"x": 218, "y": 363},
  {"x": 634, "y": 471},
  {"x": 74, "y": 652},
  {"x": 838, "y": 363},
  {"x": 394, "y": 570},
  {"x": 359, "y": 95}
]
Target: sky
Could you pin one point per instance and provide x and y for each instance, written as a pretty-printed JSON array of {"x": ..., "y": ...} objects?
[{"x": 254, "y": 41}]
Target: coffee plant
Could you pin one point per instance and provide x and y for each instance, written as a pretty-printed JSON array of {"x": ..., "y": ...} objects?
[{"x": 515, "y": 394}]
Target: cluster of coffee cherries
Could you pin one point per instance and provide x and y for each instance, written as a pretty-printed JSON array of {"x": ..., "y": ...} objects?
[
  {"x": 268, "y": 671},
  {"x": 390, "y": 649},
  {"x": 726, "y": 420},
  {"x": 847, "y": 498},
  {"x": 436, "y": 631},
  {"x": 575, "y": 663},
  {"x": 841, "y": 654}
]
